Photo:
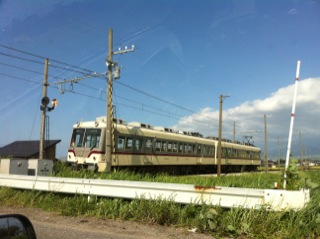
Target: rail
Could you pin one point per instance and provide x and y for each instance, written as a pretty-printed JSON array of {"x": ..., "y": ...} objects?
[{"x": 180, "y": 193}]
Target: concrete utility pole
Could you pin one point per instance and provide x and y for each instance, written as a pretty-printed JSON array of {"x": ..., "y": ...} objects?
[
  {"x": 109, "y": 136},
  {"x": 234, "y": 132},
  {"x": 266, "y": 165},
  {"x": 300, "y": 142},
  {"x": 108, "y": 139},
  {"x": 44, "y": 103},
  {"x": 279, "y": 152},
  {"x": 220, "y": 135}
]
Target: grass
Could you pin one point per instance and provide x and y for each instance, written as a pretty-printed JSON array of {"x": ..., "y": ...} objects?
[
  {"x": 250, "y": 180},
  {"x": 217, "y": 221}
]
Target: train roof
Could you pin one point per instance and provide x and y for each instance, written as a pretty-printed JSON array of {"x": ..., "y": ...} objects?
[{"x": 162, "y": 132}]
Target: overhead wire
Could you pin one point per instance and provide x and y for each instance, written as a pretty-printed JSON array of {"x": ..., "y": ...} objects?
[
  {"x": 60, "y": 67},
  {"x": 19, "y": 78},
  {"x": 42, "y": 57},
  {"x": 28, "y": 70},
  {"x": 20, "y": 58},
  {"x": 66, "y": 67},
  {"x": 155, "y": 97}
]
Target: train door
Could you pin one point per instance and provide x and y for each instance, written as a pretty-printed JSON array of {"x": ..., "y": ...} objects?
[{"x": 198, "y": 153}]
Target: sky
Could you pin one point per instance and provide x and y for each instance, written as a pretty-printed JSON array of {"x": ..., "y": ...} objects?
[{"x": 186, "y": 54}]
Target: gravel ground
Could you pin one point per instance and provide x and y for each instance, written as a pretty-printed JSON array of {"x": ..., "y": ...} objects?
[{"x": 50, "y": 225}]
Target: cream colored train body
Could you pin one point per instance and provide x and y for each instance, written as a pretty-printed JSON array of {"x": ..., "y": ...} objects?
[{"x": 142, "y": 146}]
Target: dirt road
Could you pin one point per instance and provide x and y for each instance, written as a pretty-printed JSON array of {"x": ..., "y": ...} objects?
[{"x": 49, "y": 225}]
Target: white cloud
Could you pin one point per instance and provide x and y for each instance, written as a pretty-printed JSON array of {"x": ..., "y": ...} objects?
[
  {"x": 249, "y": 116},
  {"x": 292, "y": 11}
]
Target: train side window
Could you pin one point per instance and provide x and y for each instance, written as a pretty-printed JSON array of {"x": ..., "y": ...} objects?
[
  {"x": 224, "y": 153},
  {"x": 242, "y": 153},
  {"x": 248, "y": 154},
  {"x": 121, "y": 141},
  {"x": 138, "y": 144},
  {"x": 234, "y": 153},
  {"x": 208, "y": 153},
  {"x": 204, "y": 149},
  {"x": 129, "y": 143},
  {"x": 148, "y": 144},
  {"x": 180, "y": 148},
  {"x": 169, "y": 146},
  {"x": 210, "y": 150},
  {"x": 199, "y": 149},
  {"x": 164, "y": 146},
  {"x": 194, "y": 149},
  {"x": 257, "y": 155},
  {"x": 185, "y": 148},
  {"x": 175, "y": 147},
  {"x": 158, "y": 146},
  {"x": 190, "y": 147}
]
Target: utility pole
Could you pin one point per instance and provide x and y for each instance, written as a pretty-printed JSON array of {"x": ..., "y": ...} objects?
[
  {"x": 234, "y": 132},
  {"x": 109, "y": 129},
  {"x": 113, "y": 72},
  {"x": 220, "y": 135},
  {"x": 265, "y": 145},
  {"x": 279, "y": 152},
  {"x": 44, "y": 103},
  {"x": 300, "y": 142}
]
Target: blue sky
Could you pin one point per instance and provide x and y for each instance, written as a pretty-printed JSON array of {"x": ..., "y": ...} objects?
[{"x": 186, "y": 53}]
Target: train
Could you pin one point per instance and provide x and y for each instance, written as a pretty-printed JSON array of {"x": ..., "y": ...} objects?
[{"x": 144, "y": 147}]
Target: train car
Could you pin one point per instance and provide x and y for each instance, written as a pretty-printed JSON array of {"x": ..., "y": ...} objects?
[{"x": 141, "y": 146}]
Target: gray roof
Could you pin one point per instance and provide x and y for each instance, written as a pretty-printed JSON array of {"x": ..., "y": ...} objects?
[{"x": 25, "y": 149}]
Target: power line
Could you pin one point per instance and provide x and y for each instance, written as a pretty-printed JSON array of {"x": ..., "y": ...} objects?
[
  {"x": 142, "y": 108},
  {"x": 21, "y": 58},
  {"x": 22, "y": 79},
  {"x": 155, "y": 97},
  {"x": 42, "y": 57},
  {"x": 66, "y": 67},
  {"x": 28, "y": 70},
  {"x": 38, "y": 62},
  {"x": 19, "y": 78}
]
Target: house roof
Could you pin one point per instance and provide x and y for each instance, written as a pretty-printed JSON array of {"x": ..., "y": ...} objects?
[{"x": 25, "y": 149}]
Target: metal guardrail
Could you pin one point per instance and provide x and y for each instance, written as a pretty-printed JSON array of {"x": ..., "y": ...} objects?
[{"x": 180, "y": 193}]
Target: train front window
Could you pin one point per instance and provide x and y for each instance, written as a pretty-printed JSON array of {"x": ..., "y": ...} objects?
[
  {"x": 92, "y": 138},
  {"x": 77, "y": 138},
  {"x": 89, "y": 138}
]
